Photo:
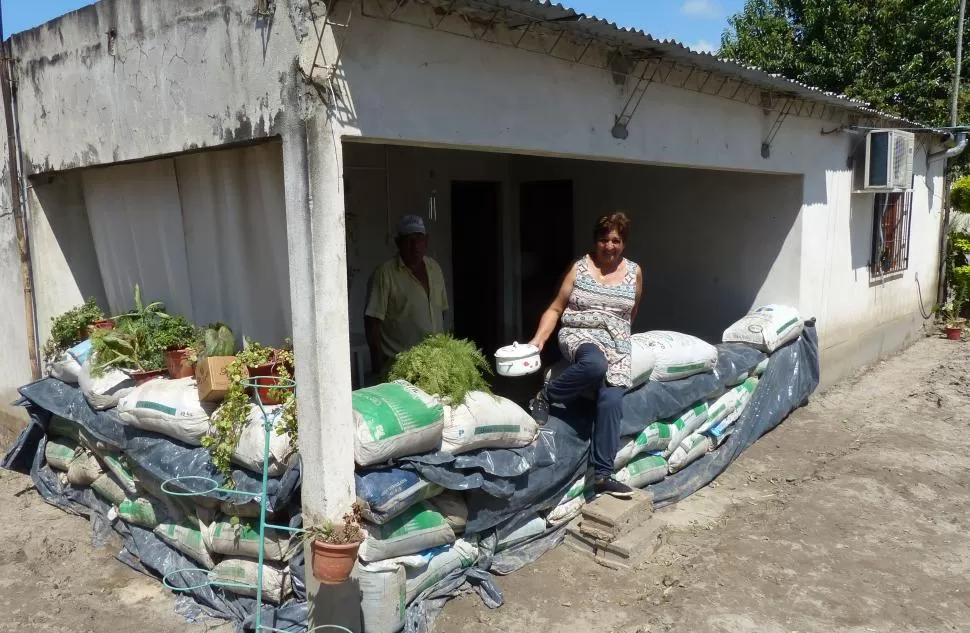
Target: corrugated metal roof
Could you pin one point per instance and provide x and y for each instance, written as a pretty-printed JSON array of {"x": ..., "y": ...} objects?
[{"x": 592, "y": 26}]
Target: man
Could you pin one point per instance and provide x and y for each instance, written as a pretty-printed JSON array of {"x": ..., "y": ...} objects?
[{"x": 407, "y": 297}]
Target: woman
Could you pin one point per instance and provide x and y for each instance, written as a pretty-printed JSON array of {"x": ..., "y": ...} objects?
[{"x": 597, "y": 303}]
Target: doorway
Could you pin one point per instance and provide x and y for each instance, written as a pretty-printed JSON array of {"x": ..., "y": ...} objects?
[
  {"x": 546, "y": 245},
  {"x": 476, "y": 262}
]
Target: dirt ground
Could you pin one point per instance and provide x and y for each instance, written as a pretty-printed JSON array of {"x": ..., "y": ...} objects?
[{"x": 851, "y": 516}]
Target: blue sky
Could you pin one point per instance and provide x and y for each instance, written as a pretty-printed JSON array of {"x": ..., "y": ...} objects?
[{"x": 697, "y": 23}]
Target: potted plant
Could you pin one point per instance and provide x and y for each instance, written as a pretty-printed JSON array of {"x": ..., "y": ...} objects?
[
  {"x": 214, "y": 349},
  {"x": 265, "y": 365},
  {"x": 176, "y": 336},
  {"x": 333, "y": 548},
  {"x": 70, "y": 328}
]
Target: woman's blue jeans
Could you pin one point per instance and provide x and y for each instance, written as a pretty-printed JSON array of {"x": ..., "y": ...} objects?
[{"x": 588, "y": 371}]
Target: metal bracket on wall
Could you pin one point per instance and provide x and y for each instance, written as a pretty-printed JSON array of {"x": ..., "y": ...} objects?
[
  {"x": 650, "y": 66},
  {"x": 786, "y": 109}
]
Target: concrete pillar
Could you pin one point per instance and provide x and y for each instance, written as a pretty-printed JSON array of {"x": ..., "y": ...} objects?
[{"x": 312, "y": 163}]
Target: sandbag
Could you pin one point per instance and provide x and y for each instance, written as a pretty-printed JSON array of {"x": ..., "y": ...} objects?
[
  {"x": 65, "y": 368},
  {"x": 169, "y": 407},
  {"x": 767, "y": 328},
  {"x": 252, "y": 441},
  {"x": 125, "y": 478},
  {"x": 684, "y": 425},
  {"x": 689, "y": 450},
  {"x": 677, "y": 355},
  {"x": 486, "y": 421},
  {"x": 642, "y": 361},
  {"x": 760, "y": 368},
  {"x": 105, "y": 391},
  {"x": 84, "y": 470},
  {"x": 62, "y": 427},
  {"x": 144, "y": 512},
  {"x": 106, "y": 486},
  {"x": 394, "y": 420},
  {"x": 60, "y": 452},
  {"x": 384, "y": 494},
  {"x": 189, "y": 537},
  {"x": 571, "y": 503},
  {"x": 276, "y": 580},
  {"x": 451, "y": 505},
  {"x": 242, "y": 540},
  {"x": 524, "y": 530},
  {"x": 643, "y": 471},
  {"x": 654, "y": 438},
  {"x": 388, "y": 586},
  {"x": 727, "y": 409},
  {"x": 418, "y": 528}
]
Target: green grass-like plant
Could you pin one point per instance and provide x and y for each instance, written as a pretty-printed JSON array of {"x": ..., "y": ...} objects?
[{"x": 444, "y": 366}]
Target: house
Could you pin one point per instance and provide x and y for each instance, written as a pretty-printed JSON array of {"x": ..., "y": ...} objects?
[{"x": 246, "y": 160}]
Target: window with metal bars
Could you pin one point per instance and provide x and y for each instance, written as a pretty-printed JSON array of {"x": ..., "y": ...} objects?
[{"x": 890, "y": 233}]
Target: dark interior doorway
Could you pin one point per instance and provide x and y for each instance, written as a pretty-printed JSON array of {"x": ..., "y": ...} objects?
[
  {"x": 546, "y": 242},
  {"x": 476, "y": 260}
]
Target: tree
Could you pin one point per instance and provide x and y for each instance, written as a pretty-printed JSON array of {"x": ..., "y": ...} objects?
[{"x": 897, "y": 55}]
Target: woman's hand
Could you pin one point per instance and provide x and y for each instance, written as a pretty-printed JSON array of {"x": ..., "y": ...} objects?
[{"x": 538, "y": 343}]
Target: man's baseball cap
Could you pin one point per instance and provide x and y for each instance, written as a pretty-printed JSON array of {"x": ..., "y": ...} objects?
[{"x": 410, "y": 225}]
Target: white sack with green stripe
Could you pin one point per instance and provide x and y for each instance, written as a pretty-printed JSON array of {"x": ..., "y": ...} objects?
[
  {"x": 654, "y": 438},
  {"x": 728, "y": 408},
  {"x": 676, "y": 355},
  {"x": 169, "y": 407},
  {"x": 767, "y": 328},
  {"x": 395, "y": 419},
  {"x": 643, "y": 471},
  {"x": 689, "y": 450},
  {"x": 687, "y": 423},
  {"x": 571, "y": 503},
  {"x": 418, "y": 528},
  {"x": 252, "y": 441},
  {"x": 486, "y": 421}
]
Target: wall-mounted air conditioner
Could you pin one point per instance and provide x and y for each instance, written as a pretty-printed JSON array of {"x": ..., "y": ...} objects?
[{"x": 886, "y": 162}]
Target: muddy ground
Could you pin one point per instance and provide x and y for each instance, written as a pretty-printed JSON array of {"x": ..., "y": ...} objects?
[{"x": 852, "y": 516}]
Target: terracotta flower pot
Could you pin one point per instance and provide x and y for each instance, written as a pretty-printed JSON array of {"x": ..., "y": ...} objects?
[
  {"x": 954, "y": 333},
  {"x": 177, "y": 363},
  {"x": 141, "y": 377},
  {"x": 102, "y": 324},
  {"x": 267, "y": 376},
  {"x": 331, "y": 563}
]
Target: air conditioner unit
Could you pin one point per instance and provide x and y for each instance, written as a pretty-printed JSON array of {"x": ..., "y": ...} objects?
[{"x": 887, "y": 164}]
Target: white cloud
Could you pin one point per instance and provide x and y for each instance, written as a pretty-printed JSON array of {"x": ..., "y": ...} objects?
[
  {"x": 710, "y": 9},
  {"x": 703, "y": 46}
]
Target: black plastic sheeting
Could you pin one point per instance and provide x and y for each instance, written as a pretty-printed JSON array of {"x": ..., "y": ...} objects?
[
  {"x": 790, "y": 378},
  {"x": 158, "y": 456},
  {"x": 161, "y": 458}
]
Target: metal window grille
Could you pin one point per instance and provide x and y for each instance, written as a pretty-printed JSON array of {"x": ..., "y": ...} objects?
[{"x": 890, "y": 233}]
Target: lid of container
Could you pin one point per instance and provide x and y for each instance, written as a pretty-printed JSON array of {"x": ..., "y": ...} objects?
[{"x": 516, "y": 351}]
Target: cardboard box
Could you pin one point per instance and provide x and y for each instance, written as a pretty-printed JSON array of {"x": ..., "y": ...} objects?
[{"x": 210, "y": 376}]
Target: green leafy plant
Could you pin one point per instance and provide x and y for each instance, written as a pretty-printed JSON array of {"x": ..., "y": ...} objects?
[
  {"x": 216, "y": 339},
  {"x": 68, "y": 329},
  {"x": 445, "y": 366},
  {"x": 173, "y": 333},
  {"x": 349, "y": 531},
  {"x": 960, "y": 195},
  {"x": 228, "y": 423}
]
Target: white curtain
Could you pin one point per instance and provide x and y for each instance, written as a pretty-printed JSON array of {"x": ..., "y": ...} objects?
[{"x": 205, "y": 233}]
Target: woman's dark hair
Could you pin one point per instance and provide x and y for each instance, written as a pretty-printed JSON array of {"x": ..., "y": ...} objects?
[{"x": 613, "y": 222}]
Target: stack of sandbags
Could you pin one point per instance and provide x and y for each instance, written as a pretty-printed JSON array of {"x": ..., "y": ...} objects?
[
  {"x": 388, "y": 586},
  {"x": 676, "y": 355},
  {"x": 653, "y": 439},
  {"x": 643, "y": 471},
  {"x": 395, "y": 420},
  {"x": 684, "y": 425},
  {"x": 766, "y": 328},
  {"x": 571, "y": 503},
  {"x": 252, "y": 441},
  {"x": 522, "y": 531},
  {"x": 726, "y": 410},
  {"x": 690, "y": 449},
  {"x": 486, "y": 421},
  {"x": 245, "y": 571}
]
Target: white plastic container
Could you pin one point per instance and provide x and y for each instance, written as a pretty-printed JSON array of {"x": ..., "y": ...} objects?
[{"x": 517, "y": 360}]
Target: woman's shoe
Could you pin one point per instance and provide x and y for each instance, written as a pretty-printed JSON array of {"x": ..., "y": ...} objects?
[{"x": 539, "y": 408}]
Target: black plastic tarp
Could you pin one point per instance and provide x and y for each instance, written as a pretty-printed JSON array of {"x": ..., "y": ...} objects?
[{"x": 790, "y": 378}]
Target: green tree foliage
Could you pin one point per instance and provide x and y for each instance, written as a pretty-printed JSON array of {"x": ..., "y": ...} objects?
[{"x": 897, "y": 55}]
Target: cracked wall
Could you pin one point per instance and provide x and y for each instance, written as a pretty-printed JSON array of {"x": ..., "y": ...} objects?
[{"x": 124, "y": 80}]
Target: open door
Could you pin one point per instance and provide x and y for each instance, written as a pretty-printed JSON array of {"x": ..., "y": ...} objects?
[
  {"x": 546, "y": 242},
  {"x": 476, "y": 250}
]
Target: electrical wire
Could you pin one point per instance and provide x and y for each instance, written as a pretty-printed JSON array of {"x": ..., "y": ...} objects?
[{"x": 919, "y": 292}]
